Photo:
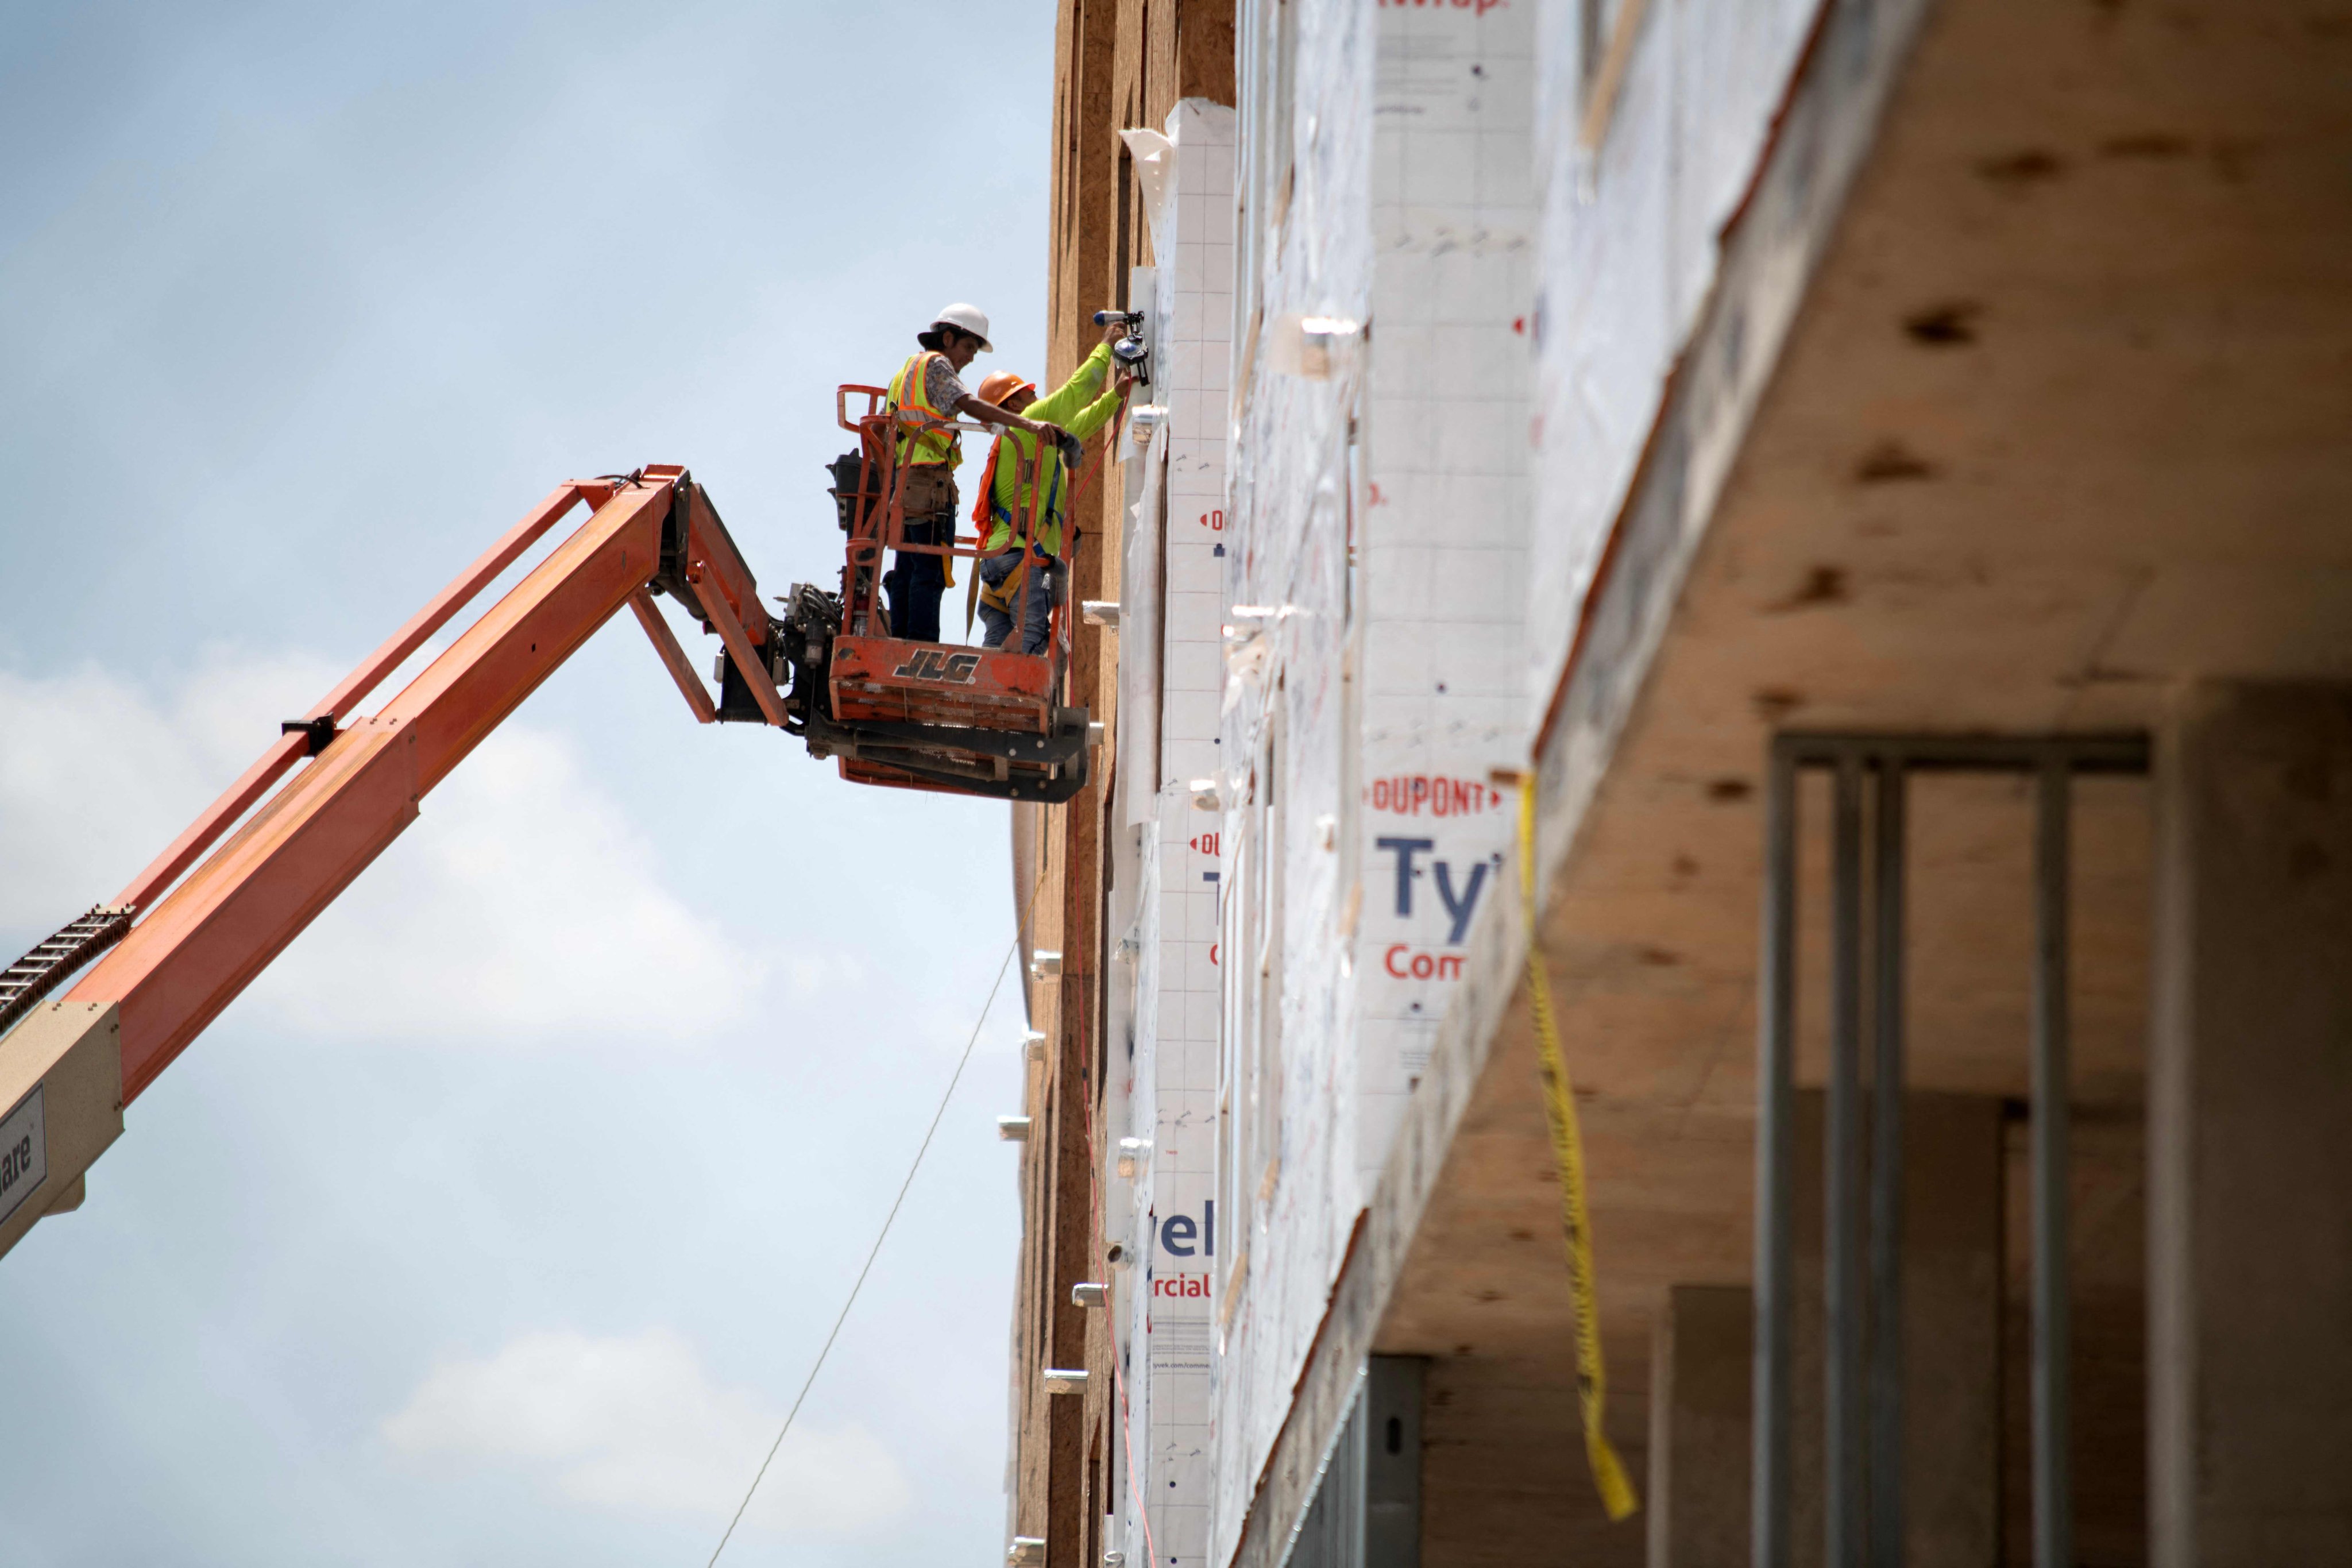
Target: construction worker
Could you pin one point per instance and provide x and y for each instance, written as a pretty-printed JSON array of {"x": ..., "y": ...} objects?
[
  {"x": 1021, "y": 470},
  {"x": 929, "y": 385}
]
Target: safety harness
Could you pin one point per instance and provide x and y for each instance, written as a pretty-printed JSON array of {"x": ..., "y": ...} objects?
[
  {"x": 1021, "y": 534},
  {"x": 985, "y": 511}
]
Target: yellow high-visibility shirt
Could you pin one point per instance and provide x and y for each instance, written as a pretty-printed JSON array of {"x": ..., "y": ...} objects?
[{"x": 1079, "y": 406}]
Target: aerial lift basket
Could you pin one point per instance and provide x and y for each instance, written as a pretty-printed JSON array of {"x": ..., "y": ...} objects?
[{"x": 922, "y": 715}]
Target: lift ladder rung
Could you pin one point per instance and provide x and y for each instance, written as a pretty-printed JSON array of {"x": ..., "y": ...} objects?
[{"x": 25, "y": 982}]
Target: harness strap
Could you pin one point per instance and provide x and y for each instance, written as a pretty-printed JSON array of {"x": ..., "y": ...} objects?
[{"x": 1003, "y": 597}]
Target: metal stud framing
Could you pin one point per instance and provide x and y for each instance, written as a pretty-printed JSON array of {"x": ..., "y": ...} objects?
[
  {"x": 1366, "y": 1508},
  {"x": 2053, "y": 1501},
  {"x": 1886, "y": 1374},
  {"x": 1841, "y": 1174},
  {"x": 1864, "y": 1410}
]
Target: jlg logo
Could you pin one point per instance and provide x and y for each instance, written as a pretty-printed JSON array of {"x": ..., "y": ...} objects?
[{"x": 932, "y": 665}]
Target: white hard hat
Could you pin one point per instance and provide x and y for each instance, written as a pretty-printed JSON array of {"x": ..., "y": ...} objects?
[{"x": 962, "y": 318}]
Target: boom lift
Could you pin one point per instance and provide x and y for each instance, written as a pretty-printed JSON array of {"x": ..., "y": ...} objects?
[
  {"x": 178, "y": 945},
  {"x": 925, "y": 715}
]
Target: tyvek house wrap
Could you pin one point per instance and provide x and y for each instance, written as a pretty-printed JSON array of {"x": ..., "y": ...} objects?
[
  {"x": 1446, "y": 557},
  {"x": 1299, "y": 942},
  {"x": 1174, "y": 558},
  {"x": 1632, "y": 222},
  {"x": 1385, "y": 182}
]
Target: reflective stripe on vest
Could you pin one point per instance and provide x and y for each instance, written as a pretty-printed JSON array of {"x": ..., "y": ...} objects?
[
  {"x": 910, "y": 390},
  {"x": 1004, "y": 595},
  {"x": 1024, "y": 492}
]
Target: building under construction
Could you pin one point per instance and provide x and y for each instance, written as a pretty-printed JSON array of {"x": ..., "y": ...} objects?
[
  {"x": 1847, "y": 503},
  {"x": 1684, "y": 840}
]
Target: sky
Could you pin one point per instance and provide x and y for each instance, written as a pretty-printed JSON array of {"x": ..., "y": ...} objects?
[{"x": 499, "y": 1221}]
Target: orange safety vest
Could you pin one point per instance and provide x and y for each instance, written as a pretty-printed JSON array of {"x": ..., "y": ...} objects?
[
  {"x": 910, "y": 393},
  {"x": 1020, "y": 531}
]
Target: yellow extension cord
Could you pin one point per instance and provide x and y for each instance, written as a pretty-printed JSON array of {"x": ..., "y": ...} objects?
[{"x": 1617, "y": 1495}]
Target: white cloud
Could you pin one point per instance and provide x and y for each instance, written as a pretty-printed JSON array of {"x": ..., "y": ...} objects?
[
  {"x": 96, "y": 777},
  {"x": 633, "y": 1425},
  {"x": 523, "y": 906}
]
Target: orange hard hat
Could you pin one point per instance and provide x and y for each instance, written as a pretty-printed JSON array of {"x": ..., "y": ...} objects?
[{"x": 1000, "y": 384}]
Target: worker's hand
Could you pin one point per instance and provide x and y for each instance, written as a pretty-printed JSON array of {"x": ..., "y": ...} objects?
[{"x": 1113, "y": 332}]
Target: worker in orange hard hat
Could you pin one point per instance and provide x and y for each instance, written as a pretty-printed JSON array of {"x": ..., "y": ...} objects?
[
  {"x": 929, "y": 391},
  {"x": 1025, "y": 491}
]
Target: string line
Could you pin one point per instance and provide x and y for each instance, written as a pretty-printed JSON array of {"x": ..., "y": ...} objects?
[{"x": 1020, "y": 931}]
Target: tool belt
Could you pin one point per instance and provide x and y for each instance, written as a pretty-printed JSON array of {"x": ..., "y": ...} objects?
[
  {"x": 928, "y": 490},
  {"x": 1004, "y": 595}
]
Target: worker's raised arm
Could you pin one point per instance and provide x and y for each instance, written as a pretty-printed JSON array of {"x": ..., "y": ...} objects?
[
  {"x": 1065, "y": 403},
  {"x": 989, "y": 414},
  {"x": 1098, "y": 413}
]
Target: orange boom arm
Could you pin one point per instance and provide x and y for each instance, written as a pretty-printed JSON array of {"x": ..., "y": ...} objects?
[
  {"x": 178, "y": 944},
  {"x": 68, "y": 1067}
]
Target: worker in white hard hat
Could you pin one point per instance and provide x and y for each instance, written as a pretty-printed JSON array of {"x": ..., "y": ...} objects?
[{"x": 929, "y": 387}]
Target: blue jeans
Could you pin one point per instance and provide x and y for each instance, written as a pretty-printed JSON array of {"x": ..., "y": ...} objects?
[
  {"x": 1035, "y": 598},
  {"x": 916, "y": 582}
]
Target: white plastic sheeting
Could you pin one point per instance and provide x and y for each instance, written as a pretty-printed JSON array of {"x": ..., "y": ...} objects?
[
  {"x": 1176, "y": 574},
  {"x": 1379, "y": 508},
  {"x": 1630, "y": 232},
  {"x": 1288, "y": 1066},
  {"x": 1454, "y": 221},
  {"x": 1449, "y": 328}
]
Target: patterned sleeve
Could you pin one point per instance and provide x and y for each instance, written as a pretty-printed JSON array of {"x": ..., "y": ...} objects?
[{"x": 942, "y": 387}]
